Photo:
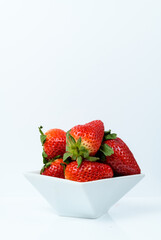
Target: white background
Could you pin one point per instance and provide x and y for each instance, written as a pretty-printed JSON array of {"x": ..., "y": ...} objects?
[{"x": 64, "y": 63}]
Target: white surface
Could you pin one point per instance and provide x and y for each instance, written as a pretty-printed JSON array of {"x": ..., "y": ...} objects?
[
  {"x": 87, "y": 200},
  {"x": 69, "y": 62},
  {"x": 32, "y": 218}
]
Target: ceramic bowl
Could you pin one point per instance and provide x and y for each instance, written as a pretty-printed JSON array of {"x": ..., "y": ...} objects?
[{"x": 88, "y": 199}]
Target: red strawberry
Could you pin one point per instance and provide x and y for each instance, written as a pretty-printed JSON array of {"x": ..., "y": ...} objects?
[
  {"x": 88, "y": 171},
  {"x": 91, "y": 134},
  {"x": 84, "y": 141},
  {"x": 54, "y": 142},
  {"x": 54, "y": 169},
  {"x": 122, "y": 160}
]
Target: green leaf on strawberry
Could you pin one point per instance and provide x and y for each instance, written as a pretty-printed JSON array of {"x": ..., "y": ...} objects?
[
  {"x": 106, "y": 150},
  {"x": 45, "y": 166},
  {"x": 44, "y": 155},
  {"x": 57, "y": 157},
  {"x": 93, "y": 159},
  {"x": 108, "y": 135},
  {"x": 66, "y": 156},
  {"x": 71, "y": 139},
  {"x": 79, "y": 161},
  {"x": 79, "y": 142}
]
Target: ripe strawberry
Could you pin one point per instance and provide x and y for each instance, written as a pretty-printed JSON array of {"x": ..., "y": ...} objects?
[
  {"x": 88, "y": 171},
  {"x": 54, "y": 169},
  {"x": 122, "y": 160},
  {"x": 83, "y": 141},
  {"x": 54, "y": 143}
]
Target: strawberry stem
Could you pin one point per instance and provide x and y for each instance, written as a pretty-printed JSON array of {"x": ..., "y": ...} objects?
[
  {"x": 42, "y": 136},
  {"x": 41, "y": 132}
]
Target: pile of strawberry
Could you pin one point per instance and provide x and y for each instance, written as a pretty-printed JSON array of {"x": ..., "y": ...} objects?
[{"x": 86, "y": 153}]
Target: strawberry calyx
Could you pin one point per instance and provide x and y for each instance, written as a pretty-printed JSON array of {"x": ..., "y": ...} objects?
[
  {"x": 64, "y": 166},
  {"x": 106, "y": 150},
  {"x": 108, "y": 135},
  {"x": 44, "y": 156},
  {"x": 48, "y": 163},
  {"x": 76, "y": 151}
]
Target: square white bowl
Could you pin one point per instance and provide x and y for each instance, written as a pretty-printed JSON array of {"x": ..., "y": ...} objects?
[{"x": 87, "y": 199}]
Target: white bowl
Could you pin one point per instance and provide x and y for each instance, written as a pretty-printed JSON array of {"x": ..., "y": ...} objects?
[{"x": 87, "y": 199}]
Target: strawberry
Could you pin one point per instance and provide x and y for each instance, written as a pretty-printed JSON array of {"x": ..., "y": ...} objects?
[
  {"x": 83, "y": 141},
  {"x": 53, "y": 142},
  {"x": 88, "y": 171},
  {"x": 121, "y": 159},
  {"x": 54, "y": 168}
]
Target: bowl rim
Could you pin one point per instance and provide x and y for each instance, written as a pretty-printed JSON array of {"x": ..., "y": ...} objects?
[{"x": 37, "y": 173}]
